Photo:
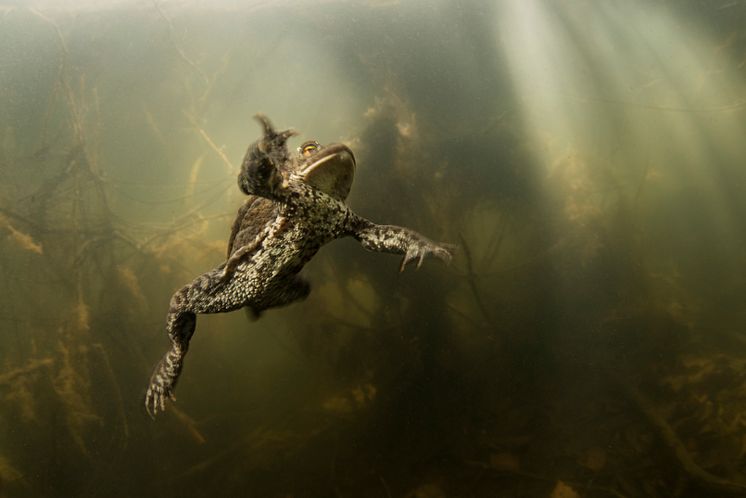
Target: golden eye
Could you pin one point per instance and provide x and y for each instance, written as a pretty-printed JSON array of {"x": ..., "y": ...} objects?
[{"x": 309, "y": 148}]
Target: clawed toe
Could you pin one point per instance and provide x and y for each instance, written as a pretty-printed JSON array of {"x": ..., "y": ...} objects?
[
  {"x": 155, "y": 399},
  {"x": 443, "y": 252}
]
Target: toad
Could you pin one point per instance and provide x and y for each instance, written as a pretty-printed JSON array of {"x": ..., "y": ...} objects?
[{"x": 296, "y": 204}]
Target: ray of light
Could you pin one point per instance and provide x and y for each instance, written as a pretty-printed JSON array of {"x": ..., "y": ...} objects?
[{"x": 629, "y": 93}]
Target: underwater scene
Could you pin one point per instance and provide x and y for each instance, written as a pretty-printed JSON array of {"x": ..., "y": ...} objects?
[{"x": 566, "y": 180}]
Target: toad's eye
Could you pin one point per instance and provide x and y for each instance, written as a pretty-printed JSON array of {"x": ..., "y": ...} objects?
[{"x": 308, "y": 148}]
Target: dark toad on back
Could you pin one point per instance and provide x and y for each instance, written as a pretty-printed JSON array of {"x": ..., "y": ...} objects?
[{"x": 295, "y": 206}]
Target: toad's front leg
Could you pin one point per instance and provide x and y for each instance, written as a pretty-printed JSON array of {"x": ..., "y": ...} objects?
[{"x": 398, "y": 240}]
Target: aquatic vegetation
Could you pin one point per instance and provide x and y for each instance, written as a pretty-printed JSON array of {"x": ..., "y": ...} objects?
[
  {"x": 72, "y": 384},
  {"x": 23, "y": 240},
  {"x": 18, "y": 384}
]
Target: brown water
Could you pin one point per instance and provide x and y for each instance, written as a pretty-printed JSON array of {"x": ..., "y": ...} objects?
[{"x": 587, "y": 340}]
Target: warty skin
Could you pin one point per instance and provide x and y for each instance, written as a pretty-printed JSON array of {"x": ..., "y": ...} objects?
[{"x": 278, "y": 230}]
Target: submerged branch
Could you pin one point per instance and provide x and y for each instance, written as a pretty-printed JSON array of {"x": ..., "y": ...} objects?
[
  {"x": 676, "y": 446},
  {"x": 22, "y": 239},
  {"x": 80, "y": 155},
  {"x": 179, "y": 50},
  {"x": 189, "y": 424},
  {"x": 472, "y": 281},
  {"x": 206, "y": 137},
  {"x": 30, "y": 367}
]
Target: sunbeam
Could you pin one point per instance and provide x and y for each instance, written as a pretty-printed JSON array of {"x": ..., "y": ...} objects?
[{"x": 632, "y": 92}]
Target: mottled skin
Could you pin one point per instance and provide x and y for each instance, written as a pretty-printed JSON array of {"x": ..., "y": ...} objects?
[{"x": 290, "y": 213}]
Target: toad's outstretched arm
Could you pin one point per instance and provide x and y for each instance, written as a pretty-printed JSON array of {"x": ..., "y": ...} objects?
[{"x": 397, "y": 240}]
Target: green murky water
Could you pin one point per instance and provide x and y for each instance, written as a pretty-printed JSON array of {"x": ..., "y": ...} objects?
[{"x": 587, "y": 340}]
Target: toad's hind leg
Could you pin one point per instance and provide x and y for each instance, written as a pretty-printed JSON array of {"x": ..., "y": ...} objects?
[
  {"x": 180, "y": 326},
  {"x": 203, "y": 295}
]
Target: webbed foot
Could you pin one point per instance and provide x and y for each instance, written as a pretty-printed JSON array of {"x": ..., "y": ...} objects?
[
  {"x": 163, "y": 381},
  {"x": 423, "y": 248}
]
